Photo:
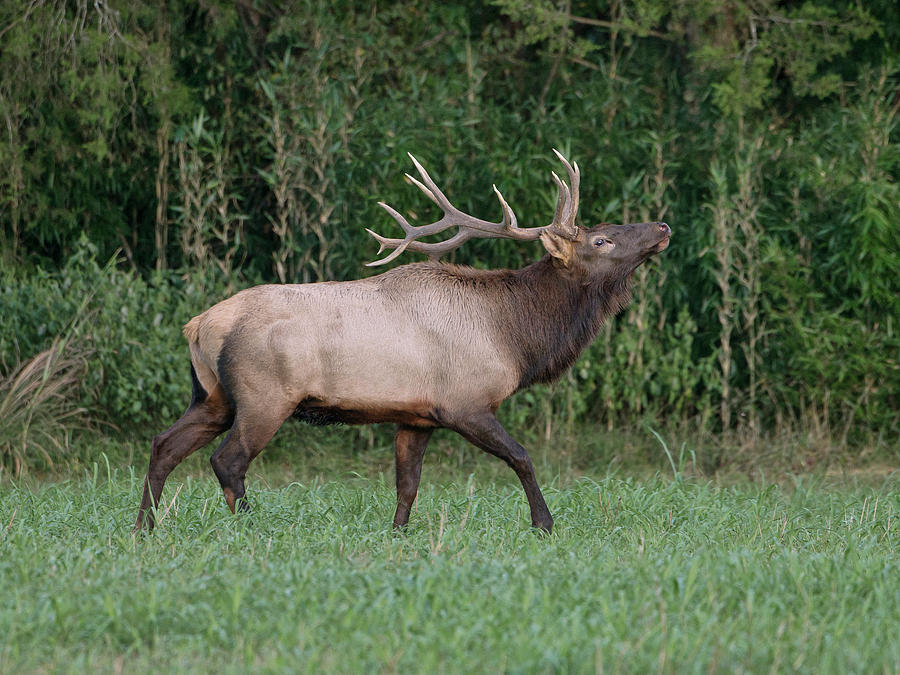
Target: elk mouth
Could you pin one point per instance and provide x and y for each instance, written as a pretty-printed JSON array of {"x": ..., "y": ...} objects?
[
  {"x": 658, "y": 247},
  {"x": 663, "y": 244}
]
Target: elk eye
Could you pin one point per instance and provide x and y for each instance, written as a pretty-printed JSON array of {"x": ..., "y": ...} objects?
[{"x": 599, "y": 242}]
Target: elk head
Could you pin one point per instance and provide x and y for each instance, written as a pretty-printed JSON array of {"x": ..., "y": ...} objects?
[{"x": 606, "y": 250}]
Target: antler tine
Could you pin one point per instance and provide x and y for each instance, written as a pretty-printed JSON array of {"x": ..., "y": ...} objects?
[
  {"x": 567, "y": 201},
  {"x": 562, "y": 198},
  {"x": 399, "y": 218},
  {"x": 418, "y": 184},
  {"x": 383, "y": 243},
  {"x": 510, "y": 222},
  {"x": 432, "y": 191}
]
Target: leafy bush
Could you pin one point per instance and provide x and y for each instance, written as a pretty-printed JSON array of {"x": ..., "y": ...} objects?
[
  {"x": 137, "y": 372},
  {"x": 254, "y": 142}
]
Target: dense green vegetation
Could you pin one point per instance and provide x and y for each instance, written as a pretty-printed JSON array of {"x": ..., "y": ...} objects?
[
  {"x": 639, "y": 576},
  {"x": 158, "y": 157}
]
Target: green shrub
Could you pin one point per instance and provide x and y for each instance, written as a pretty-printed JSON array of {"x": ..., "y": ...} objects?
[{"x": 137, "y": 374}]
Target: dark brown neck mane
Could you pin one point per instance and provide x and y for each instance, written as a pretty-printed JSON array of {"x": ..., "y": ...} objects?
[{"x": 554, "y": 318}]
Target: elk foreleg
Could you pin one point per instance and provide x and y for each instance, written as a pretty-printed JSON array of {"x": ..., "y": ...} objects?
[
  {"x": 484, "y": 431},
  {"x": 200, "y": 424},
  {"x": 409, "y": 450}
]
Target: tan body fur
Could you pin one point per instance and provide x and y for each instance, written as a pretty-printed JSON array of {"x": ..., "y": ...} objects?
[{"x": 395, "y": 345}]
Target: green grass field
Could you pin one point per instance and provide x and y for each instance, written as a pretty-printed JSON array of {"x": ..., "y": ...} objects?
[{"x": 639, "y": 576}]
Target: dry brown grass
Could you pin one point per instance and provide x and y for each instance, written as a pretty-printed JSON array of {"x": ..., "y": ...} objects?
[{"x": 39, "y": 405}]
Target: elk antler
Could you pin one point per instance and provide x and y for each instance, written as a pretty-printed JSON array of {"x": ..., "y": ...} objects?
[{"x": 470, "y": 227}]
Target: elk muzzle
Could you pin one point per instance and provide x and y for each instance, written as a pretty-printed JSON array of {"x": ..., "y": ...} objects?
[{"x": 666, "y": 233}]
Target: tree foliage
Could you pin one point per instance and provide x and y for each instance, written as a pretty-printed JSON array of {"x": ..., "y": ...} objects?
[{"x": 221, "y": 144}]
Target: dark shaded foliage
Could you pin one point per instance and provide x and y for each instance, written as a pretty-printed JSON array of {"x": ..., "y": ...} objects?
[{"x": 224, "y": 144}]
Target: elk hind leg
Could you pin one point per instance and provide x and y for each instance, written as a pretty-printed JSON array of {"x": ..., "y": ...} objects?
[
  {"x": 247, "y": 438},
  {"x": 202, "y": 422},
  {"x": 409, "y": 450}
]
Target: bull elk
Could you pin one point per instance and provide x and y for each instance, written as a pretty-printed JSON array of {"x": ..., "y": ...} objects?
[{"x": 424, "y": 346}]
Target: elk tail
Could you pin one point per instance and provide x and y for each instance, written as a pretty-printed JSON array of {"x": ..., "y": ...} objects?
[
  {"x": 203, "y": 379},
  {"x": 191, "y": 329}
]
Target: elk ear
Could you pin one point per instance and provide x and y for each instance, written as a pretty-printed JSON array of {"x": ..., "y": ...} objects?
[{"x": 562, "y": 249}]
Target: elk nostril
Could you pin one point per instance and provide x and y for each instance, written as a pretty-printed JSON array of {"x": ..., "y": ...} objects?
[{"x": 665, "y": 228}]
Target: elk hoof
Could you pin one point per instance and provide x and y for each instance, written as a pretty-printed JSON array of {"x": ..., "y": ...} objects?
[{"x": 543, "y": 527}]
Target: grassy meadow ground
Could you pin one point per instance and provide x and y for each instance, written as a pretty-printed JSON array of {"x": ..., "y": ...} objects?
[{"x": 657, "y": 573}]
